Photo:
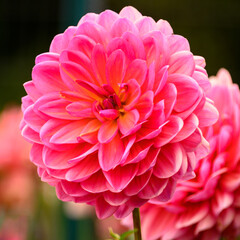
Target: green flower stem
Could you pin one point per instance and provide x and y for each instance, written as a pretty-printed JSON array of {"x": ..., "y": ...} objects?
[{"x": 137, "y": 224}]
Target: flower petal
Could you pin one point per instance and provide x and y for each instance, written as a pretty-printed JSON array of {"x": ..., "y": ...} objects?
[
  {"x": 107, "y": 131},
  {"x": 169, "y": 131},
  {"x": 84, "y": 169},
  {"x": 127, "y": 121},
  {"x": 110, "y": 154},
  {"x": 169, "y": 161},
  {"x": 121, "y": 176},
  {"x": 115, "y": 69}
]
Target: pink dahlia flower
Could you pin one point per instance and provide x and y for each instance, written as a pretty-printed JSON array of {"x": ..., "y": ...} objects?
[
  {"x": 16, "y": 172},
  {"x": 208, "y": 206},
  {"x": 114, "y": 109}
]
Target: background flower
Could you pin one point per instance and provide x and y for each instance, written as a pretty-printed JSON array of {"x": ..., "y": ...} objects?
[
  {"x": 208, "y": 206},
  {"x": 111, "y": 93},
  {"x": 15, "y": 169},
  {"x": 16, "y": 177}
]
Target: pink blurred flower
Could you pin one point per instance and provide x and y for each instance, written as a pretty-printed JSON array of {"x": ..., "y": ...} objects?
[
  {"x": 15, "y": 171},
  {"x": 208, "y": 206},
  {"x": 108, "y": 96}
]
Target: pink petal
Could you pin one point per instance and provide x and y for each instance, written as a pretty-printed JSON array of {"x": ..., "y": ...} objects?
[
  {"x": 81, "y": 109},
  {"x": 33, "y": 120},
  {"x": 121, "y": 176},
  {"x": 46, "y": 77},
  {"x": 145, "y": 25},
  {"x": 92, "y": 30},
  {"x": 192, "y": 215},
  {"x": 36, "y": 155},
  {"x": 152, "y": 49},
  {"x": 30, "y": 135},
  {"x": 136, "y": 43},
  {"x": 169, "y": 95},
  {"x": 131, "y": 13},
  {"x": 222, "y": 201},
  {"x": 107, "y": 131},
  {"x": 208, "y": 115},
  {"x": 95, "y": 183},
  {"x": 82, "y": 43},
  {"x": 189, "y": 126},
  {"x": 87, "y": 149},
  {"x": 89, "y": 17},
  {"x": 69, "y": 132},
  {"x": 75, "y": 72},
  {"x": 121, "y": 26},
  {"x": 202, "y": 80},
  {"x": 90, "y": 131},
  {"x": 164, "y": 27},
  {"x": 26, "y": 102},
  {"x": 59, "y": 159},
  {"x": 31, "y": 90},
  {"x": 121, "y": 44},
  {"x": 154, "y": 187},
  {"x": 137, "y": 70},
  {"x": 79, "y": 58},
  {"x": 74, "y": 189},
  {"x": 49, "y": 129},
  {"x": 178, "y": 43},
  {"x": 57, "y": 109},
  {"x": 149, "y": 161},
  {"x": 169, "y": 131},
  {"x": 137, "y": 184},
  {"x": 127, "y": 121},
  {"x": 110, "y": 154},
  {"x": 61, "y": 194},
  {"x": 138, "y": 152},
  {"x": 169, "y": 161},
  {"x": 109, "y": 114},
  {"x": 167, "y": 192},
  {"x": 99, "y": 63},
  {"x": 156, "y": 47},
  {"x": 206, "y": 223},
  {"x": 123, "y": 211},
  {"x": 188, "y": 91},
  {"x": 160, "y": 80},
  {"x": 157, "y": 118},
  {"x": 115, "y": 69},
  {"x": 61, "y": 41},
  {"x": 104, "y": 209},
  {"x": 145, "y": 105},
  {"x": 107, "y": 18},
  {"x": 182, "y": 62},
  {"x": 193, "y": 140},
  {"x": 133, "y": 94},
  {"x": 115, "y": 199},
  {"x": 84, "y": 169}
]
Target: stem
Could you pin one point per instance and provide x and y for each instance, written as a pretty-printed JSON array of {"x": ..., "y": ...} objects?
[{"x": 137, "y": 224}]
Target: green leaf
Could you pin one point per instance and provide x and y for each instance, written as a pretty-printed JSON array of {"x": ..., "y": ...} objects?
[
  {"x": 127, "y": 234},
  {"x": 114, "y": 235}
]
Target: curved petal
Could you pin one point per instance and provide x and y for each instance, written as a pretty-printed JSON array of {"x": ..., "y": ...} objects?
[
  {"x": 169, "y": 131},
  {"x": 121, "y": 176},
  {"x": 84, "y": 169},
  {"x": 110, "y": 154},
  {"x": 127, "y": 121},
  {"x": 168, "y": 161},
  {"x": 107, "y": 131},
  {"x": 115, "y": 69}
]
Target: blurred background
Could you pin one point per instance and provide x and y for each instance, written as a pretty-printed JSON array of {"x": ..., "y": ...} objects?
[{"x": 26, "y": 30}]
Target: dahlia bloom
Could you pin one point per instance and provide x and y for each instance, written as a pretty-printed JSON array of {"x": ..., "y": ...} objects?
[
  {"x": 114, "y": 111},
  {"x": 208, "y": 206},
  {"x": 16, "y": 172}
]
